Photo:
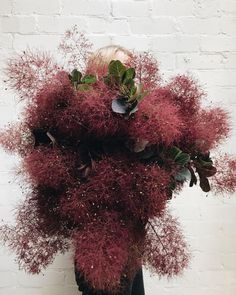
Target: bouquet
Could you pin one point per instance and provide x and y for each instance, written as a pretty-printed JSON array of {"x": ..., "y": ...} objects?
[{"x": 103, "y": 150}]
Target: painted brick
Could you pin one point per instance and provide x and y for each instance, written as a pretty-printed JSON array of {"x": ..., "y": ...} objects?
[
  {"x": 228, "y": 25},
  {"x": 59, "y": 24},
  {"x": 208, "y": 8},
  {"x": 123, "y": 8},
  {"x": 175, "y": 43},
  {"x": 173, "y": 7},
  {"x": 228, "y": 7},
  {"x": 218, "y": 77},
  {"x": 132, "y": 42},
  {"x": 86, "y": 7},
  {"x": 17, "y": 24},
  {"x": 218, "y": 43},
  {"x": 38, "y": 7},
  {"x": 199, "y": 61},
  {"x": 196, "y": 25},
  {"x": 42, "y": 42},
  {"x": 152, "y": 26},
  {"x": 117, "y": 27},
  {"x": 6, "y": 41},
  {"x": 6, "y": 7}
]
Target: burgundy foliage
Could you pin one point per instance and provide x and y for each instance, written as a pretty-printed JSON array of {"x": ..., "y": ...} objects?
[
  {"x": 48, "y": 167},
  {"x": 211, "y": 128},
  {"x": 101, "y": 179},
  {"x": 96, "y": 250},
  {"x": 39, "y": 233},
  {"x": 146, "y": 68},
  {"x": 29, "y": 70},
  {"x": 186, "y": 94},
  {"x": 166, "y": 250},
  {"x": 224, "y": 182},
  {"x": 157, "y": 121},
  {"x": 95, "y": 111},
  {"x": 17, "y": 138}
]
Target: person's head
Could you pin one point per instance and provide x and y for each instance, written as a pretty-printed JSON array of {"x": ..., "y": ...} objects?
[{"x": 100, "y": 59}]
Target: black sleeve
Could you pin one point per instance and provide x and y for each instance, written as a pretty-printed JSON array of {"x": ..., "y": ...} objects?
[{"x": 136, "y": 287}]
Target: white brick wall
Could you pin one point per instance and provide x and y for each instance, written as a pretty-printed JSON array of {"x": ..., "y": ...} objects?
[{"x": 185, "y": 35}]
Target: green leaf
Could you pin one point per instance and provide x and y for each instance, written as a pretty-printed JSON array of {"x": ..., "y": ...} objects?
[
  {"x": 178, "y": 156},
  {"x": 183, "y": 175},
  {"x": 129, "y": 83},
  {"x": 75, "y": 76},
  {"x": 89, "y": 79},
  {"x": 116, "y": 69},
  {"x": 106, "y": 79},
  {"x": 182, "y": 158},
  {"x": 124, "y": 90},
  {"x": 111, "y": 80},
  {"x": 129, "y": 74},
  {"x": 133, "y": 90},
  {"x": 174, "y": 152},
  {"x": 172, "y": 185},
  {"x": 84, "y": 87}
]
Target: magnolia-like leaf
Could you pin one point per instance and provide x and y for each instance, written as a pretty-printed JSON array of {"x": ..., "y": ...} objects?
[
  {"x": 207, "y": 171},
  {"x": 182, "y": 158},
  {"x": 129, "y": 83},
  {"x": 116, "y": 68},
  {"x": 129, "y": 74},
  {"x": 84, "y": 87},
  {"x": 75, "y": 76},
  {"x": 178, "y": 156},
  {"x": 119, "y": 106},
  {"x": 193, "y": 177},
  {"x": 89, "y": 79},
  {"x": 124, "y": 90},
  {"x": 205, "y": 163},
  {"x": 183, "y": 175},
  {"x": 174, "y": 152},
  {"x": 133, "y": 90},
  {"x": 204, "y": 183}
]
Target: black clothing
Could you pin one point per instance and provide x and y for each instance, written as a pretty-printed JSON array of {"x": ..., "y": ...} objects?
[{"x": 136, "y": 287}]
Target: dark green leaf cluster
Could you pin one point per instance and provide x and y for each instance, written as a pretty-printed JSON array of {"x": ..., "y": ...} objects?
[
  {"x": 130, "y": 94},
  {"x": 204, "y": 168},
  {"x": 81, "y": 83},
  {"x": 202, "y": 164}
]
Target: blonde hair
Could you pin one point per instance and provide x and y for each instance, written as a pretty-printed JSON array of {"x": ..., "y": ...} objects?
[{"x": 104, "y": 55}]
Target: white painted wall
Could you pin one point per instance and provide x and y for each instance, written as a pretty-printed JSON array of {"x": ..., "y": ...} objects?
[{"x": 185, "y": 35}]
